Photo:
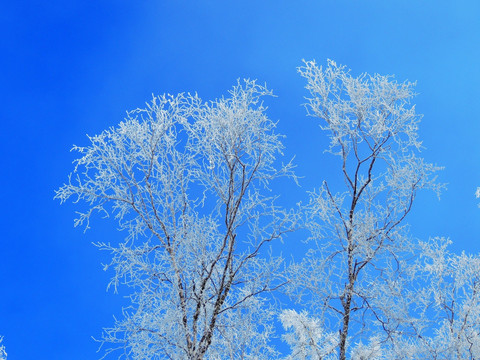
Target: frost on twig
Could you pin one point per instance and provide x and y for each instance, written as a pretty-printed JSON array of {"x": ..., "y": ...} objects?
[{"x": 306, "y": 337}]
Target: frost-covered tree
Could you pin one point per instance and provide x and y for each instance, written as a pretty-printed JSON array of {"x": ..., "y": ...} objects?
[
  {"x": 447, "y": 308},
  {"x": 352, "y": 278},
  {"x": 453, "y": 314},
  {"x": 188, "y": 182}
]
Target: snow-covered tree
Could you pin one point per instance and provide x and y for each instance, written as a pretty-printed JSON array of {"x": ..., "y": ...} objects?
[
  {"x": 454, "y": 294},
  {"x": 188, "y": 182},
  {"x": 352, "y": 278},
  {"x": 447, "y": 307}
]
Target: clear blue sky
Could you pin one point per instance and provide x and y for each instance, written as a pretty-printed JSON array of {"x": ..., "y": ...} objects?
[{"x": 70, "y": 68}]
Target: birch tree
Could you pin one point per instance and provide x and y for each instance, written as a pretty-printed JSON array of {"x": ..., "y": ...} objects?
[
  {"x": 352, "y": 277},
  {"x": 188, "y": 181}
]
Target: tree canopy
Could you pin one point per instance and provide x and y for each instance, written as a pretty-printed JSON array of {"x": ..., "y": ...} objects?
[{"x": 189, "y": 182}]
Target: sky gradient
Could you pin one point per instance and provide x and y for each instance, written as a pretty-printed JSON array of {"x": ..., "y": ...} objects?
[{"x": 70, "y": 68}]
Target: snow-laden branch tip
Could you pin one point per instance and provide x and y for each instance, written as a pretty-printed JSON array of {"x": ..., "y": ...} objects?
[{"x": 3, "y": 352}]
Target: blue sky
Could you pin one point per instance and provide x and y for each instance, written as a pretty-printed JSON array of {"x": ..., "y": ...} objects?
[{"x": 70, "y": 68}]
